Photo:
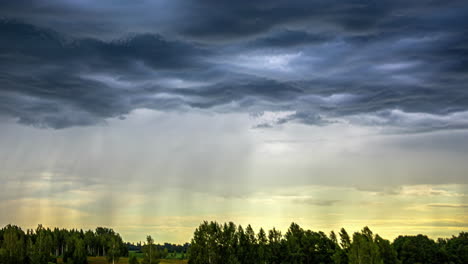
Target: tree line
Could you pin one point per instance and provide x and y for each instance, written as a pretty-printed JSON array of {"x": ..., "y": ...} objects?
[
  {"x": 167, "y": 250},
  {"x": 44, "y": 245},
  {"x": 152, "y": 253},
  {"x": 164, "y": 251},
  {"x": 214, "y": 243}
]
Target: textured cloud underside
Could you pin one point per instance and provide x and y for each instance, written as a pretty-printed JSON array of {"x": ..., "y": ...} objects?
[{"x": 394, "y": 63}]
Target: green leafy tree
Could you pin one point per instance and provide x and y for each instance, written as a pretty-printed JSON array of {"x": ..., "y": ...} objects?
[
  {"x": 113, "y": 253},
  {"x": 58, "y": 241},
  {"x": 150, "y": 252},
  {"x": 340, "y": 256},
  {"x": 246, "y": 251},
  {"x": 416, "y": 249},
  {"x": 164, "y": 253},
  {"x": 133, "y": 260},
  {"x": 333, "y": 237},
  {"x": 90, "y": 242},
  {"x": 456, "y": 248},
  {"x": 386, "y": 251},
  {"x": 39, "y": 252},
  {"x": 317, "y": 247},
  {"x": 276, "y": 246},
  {"x": 102, "y": 237},
  {"x": 199, "y": 245},
  {"x": 363, "y": 249},
  {"x": 345, "y": 241},
  {"x": 293, "y": 239},
  {"x": 79, "y": 254},
  {"x": 75, "y": 250},
  {"x": 228, "y": 243},
  {"x": 13, "y": 245},
  {"x": 262, "y": 247}
]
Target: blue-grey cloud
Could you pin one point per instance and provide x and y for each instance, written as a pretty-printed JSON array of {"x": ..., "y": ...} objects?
[{"x": 388, "y": 62}]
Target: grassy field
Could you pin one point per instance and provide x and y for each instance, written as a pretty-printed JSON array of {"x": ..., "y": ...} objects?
[
  {"x": 173, "y": 261},
  {"x": 102, "y": 260}
]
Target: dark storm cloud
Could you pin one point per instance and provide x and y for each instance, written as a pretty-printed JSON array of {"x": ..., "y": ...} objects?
[
  {"x": 389, "y": 63},
  {"x": 224, "y": 19},
  {"x": 240, "y": 19},
  {"x": 288, "y": 38},
  {"x": 47, "y": 79}
]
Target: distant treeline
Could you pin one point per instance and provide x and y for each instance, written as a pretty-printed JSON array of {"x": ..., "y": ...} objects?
[
  {"x": 214, "y": 243},
  {"x": 168, "y": 248},
  {"x": 228, "y": 243},
  {"x": 45, "y": 245}
]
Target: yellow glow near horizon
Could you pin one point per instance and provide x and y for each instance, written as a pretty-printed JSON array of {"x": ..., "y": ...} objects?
[{"x": 163, "y": 181}]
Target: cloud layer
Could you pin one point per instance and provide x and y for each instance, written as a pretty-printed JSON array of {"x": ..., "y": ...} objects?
[
  {"x": 326, "y": 113},
  {"x": 391, "y": 63}
]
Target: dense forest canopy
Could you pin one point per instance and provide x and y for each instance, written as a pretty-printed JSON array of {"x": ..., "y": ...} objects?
[
  {"x": 227, "y": 243},
  {"x": 45, "y": 245},
  {"x": 215, "y": 243}
]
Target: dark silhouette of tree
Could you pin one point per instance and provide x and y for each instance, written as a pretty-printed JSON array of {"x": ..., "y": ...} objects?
[
  {"x": 456, "y": 248},
  {"x": 229, "y": 243},
  {"x": 293, "y": 241},
  {"x": 263, "y": 252},
  {"x": 213, "y": 243},
  {"x": 386, "y": 251},
  {"x": 416, "y": 249},
  {"x": 340, "y": 256},
  {"x": 276, "y": 246}
]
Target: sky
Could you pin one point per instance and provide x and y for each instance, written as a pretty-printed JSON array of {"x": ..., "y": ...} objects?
[{"x": 151, "y": 116}]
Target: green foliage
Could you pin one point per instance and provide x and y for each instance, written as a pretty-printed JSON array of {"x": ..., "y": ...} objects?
[
  {"x": 39, "y": 252},
  {"x": 416, "y": 249},
  {"x": 133, "y": 260},
  {"x": 386, "y": 251},
  {"x": 262, "y": 247},
  {"x": 213, "y": 243},
  {"x": 13, "y": 245},
  {"x": 151, "y": 253},
  {"x": 345, "y": 240},
  {"x": 453, "y": 250},
  {"x": 43, "y": 245},
  {"x": 75, "y": 251},
  {"x": 456, "y": 248},
  {"x": 114, "y": 250},
  {"x": 205, "y": 246},
  {"x": 363, "y": 249},
  {"x": 79, "y": 254},
  {"x": 276, "y": 246},
  {"x": 246, "y": 250},
  {"x": 293, "y": 242}
]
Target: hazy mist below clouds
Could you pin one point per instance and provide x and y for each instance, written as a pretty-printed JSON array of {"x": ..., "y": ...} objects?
[
  {"x": 137, "y": 173},
  {"x": 152, "y": 116}
]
